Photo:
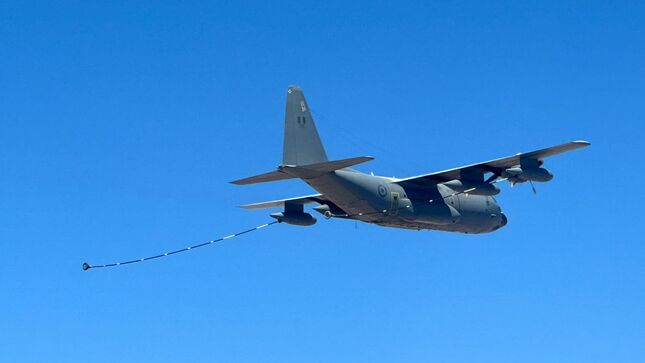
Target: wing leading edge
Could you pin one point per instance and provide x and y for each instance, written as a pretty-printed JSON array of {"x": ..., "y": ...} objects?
[{"x": 496, "y": 166}]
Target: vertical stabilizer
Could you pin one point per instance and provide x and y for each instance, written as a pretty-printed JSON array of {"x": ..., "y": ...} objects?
[{"x": 302, "y": 144}]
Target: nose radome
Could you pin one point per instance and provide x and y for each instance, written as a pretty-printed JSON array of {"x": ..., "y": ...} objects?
[{"x": 504, "y": 220}]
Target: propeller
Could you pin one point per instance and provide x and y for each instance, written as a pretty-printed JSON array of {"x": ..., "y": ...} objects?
[
  {"x": 491, "y": 178},
  {"x": 533, "y": 187},
  {"x": 530, "y": 182}
]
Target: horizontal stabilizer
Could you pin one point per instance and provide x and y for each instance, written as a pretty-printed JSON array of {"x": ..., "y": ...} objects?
[
  {"x": 314, "y": 198},
  {"x": 262, "y": 178},
  {"x": 303, "y": 171},
  {"x": 313, "y": 170}
]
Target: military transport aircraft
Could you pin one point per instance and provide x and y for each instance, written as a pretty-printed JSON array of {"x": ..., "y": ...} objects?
[{"x": 455, "y": 200}]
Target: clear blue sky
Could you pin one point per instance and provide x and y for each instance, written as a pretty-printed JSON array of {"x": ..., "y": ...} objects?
[{"x": 123, "y": 121}]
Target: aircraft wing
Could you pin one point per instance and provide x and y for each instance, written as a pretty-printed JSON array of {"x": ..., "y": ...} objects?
[
  {"x": 314, "y": 198},
  {"x": 496, "y": 166}
]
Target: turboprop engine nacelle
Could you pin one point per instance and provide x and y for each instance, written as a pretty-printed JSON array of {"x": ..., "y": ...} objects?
[
  {"x": 523, "y": 174},
  {"x": 295, "y": 218},
  {"x": 472, "y": 187}
]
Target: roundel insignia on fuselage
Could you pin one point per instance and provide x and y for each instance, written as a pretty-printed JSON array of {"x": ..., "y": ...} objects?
[{"x": 382, "y": 191}]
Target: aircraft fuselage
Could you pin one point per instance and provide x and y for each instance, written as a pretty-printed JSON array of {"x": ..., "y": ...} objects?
[
  {"x": 380, "y": 200},
  {"x": 455, "y": 200}
]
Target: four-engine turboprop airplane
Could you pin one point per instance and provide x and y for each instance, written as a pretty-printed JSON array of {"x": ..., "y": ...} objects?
[{"x": 455, "y": 200}]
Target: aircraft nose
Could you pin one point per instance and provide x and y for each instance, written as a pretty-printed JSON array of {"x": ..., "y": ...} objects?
[
  {"x": 501, "y": 221},
  {"x": 504, "y": 220}
]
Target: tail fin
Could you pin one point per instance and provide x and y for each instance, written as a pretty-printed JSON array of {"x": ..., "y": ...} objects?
[
  {"x": 302, "y": 144},
  {"x": 303, "y": 154}
]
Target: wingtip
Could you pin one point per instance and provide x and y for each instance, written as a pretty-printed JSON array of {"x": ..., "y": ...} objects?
[{"x": 582, "y": 142}]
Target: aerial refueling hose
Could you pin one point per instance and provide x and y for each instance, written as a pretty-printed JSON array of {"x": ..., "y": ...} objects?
[{"x": 87, "y": 266}]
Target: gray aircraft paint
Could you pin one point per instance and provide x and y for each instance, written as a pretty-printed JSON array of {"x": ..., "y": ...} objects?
[
  {"x": 421, "y": 202},
  {"x": 302, "y": 145}
]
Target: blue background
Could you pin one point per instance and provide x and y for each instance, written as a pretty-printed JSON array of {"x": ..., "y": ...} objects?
[{"x": 123, "y": 121}]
